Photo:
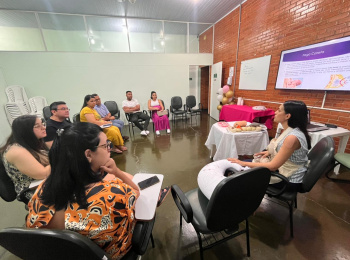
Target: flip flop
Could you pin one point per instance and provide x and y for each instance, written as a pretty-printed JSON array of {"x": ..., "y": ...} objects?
[
  {"x": 122, "y": 148},
  {"x": 116, "y": 150},
  {"x": 163, "y": 193}
]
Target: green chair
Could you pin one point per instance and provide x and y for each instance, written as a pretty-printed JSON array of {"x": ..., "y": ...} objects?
[{"x": 343, "y": 159}]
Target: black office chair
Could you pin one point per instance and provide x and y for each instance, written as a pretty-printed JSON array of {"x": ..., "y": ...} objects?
[
  {"x": 321, "y": 159},
  {"x": 47, "y": 113},
  {"x": 340, "y": 159},
  {"x": 7, "y": 189},
  {"x": 234, "y": 199},
  {"x": 76, "y": 118},
  {"x": 113, "y": 108},
  {"x": 131, "y": 124},
  {"x": 175, "y": 108},
  {"x": 190, "y": 104},
  {"x": 37, "y": 244}
]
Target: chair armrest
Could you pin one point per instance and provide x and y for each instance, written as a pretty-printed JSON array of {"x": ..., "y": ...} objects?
[
  {"x": 171, "y": 109},
  {"x": 141, "y": 235},
  {"x": 127, "y": 116},
  {"x": 182, "y": 203},
  {"x": 185, "y": 108},
  {"x": 118, "y": 115},
  {"x": 285, "y": 182}
]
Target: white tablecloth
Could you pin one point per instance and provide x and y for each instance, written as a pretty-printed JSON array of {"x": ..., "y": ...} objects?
[{"x": 230, "y": 145}]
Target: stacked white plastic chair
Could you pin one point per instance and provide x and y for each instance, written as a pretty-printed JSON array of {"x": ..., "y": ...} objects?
[
  {"x": 14, "y": 110},
  {"x": 18, "y": 102},
  {"x": 37, "y": 105}
]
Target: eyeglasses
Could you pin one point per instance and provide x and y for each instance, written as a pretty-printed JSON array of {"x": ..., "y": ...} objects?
[
  {"x": 63, "y": 109},
  {"x": 107, "y": 145},
  {"x": 40, "y": 125}
]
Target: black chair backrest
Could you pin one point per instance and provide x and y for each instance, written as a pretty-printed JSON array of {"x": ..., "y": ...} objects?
[
  {"x": 7, "y": 189},
  {"x": 49, "y": 244},
  {"x": 47, "y": 112},
  {"x": 190, "y": 101},
  {"x": 236, "y": 197},
  {"x": 112, "y": 107},
  {"x": 176, "y": 102},
  {"x": 76, "y": 118},
  {"x": 321, "y": 159},
  {"x": 162, "y": 103}
]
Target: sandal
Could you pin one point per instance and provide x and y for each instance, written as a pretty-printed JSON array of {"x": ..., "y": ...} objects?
[
  {"x": 122, "y": 148},
  {"x": 116, "y": 150},
  {"x": 162, "y": 195}
]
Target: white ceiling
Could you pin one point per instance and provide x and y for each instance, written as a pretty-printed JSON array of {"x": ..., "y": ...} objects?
[{"x": 200, "y": 11}]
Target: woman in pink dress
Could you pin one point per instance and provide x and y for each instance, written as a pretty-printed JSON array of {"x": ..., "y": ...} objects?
[{"x": 160, "y": 122}]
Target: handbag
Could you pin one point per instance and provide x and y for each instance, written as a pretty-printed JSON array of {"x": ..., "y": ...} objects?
[{"x": 162, "y": 113}]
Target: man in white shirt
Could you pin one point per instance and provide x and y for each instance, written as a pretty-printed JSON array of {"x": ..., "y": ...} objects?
[{"x": 132, "y": 107}]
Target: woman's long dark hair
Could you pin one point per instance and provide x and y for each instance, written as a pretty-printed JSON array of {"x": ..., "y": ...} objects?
[
  {"x": 70, "y": 169},
  {"x": 86, "y": 99},
  {"x": 298, "y": 117},
  {"x": 23, "y": 134}
]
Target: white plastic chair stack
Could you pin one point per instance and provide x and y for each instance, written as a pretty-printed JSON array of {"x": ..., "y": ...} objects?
[
  {"x": 14, "y": 110},
  {"x": 37, "y": 105},
  {"x": 17, "y": 93}
]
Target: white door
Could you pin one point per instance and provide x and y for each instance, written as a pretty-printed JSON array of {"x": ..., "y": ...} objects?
[{"x": 216, "y": 73}]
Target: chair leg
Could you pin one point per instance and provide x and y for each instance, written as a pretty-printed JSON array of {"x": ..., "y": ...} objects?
[
  {"x": 291, "y": 218},
  {"x": 247, "y": 236},
  {"x": 200, "y": 244},
  {"x": 180, "y": 219},
  {"x": 152, "y": 240},
  {"x": 295, "y": 203}
]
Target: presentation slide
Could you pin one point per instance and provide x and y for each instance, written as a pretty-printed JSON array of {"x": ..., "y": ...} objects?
[{"x": 321, "y": 66}]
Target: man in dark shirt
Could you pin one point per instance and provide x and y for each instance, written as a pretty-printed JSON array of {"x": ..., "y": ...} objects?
[{"x": 59, "y": 114}]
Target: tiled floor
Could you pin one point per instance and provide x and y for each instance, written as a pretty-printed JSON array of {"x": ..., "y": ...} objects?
[{"x": 322, "y": 220}]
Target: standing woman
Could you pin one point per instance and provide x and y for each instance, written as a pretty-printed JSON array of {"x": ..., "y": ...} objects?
[
  {"x": 160, "y": 122},
  {"x": 86, "y": 192},
  {"x": 25, "y": 155},
  {"x": 287, "y": 153},
  {"x": 89, "y": 114}
]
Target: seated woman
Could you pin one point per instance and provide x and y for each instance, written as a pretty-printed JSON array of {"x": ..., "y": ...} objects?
[
  {"x": 160, "y": 122},
  {"x": 287, "y": 153},
  {"x": 86, "y": 192},
  {"x": 25, "y": 155},
  {"x": 89, "y": 114}
]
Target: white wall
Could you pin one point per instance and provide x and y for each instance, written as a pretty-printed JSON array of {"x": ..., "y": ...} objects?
[{"x": 70, "y": 76}]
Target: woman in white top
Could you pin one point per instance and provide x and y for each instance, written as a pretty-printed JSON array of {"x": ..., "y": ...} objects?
[
  {"x": 161, "y": 122},
  {"x": 287, "y": 153},
  {"x": 25, "y": 155}
]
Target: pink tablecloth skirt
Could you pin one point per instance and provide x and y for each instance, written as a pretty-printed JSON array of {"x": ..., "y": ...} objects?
[{"x": 238, "y": 113}]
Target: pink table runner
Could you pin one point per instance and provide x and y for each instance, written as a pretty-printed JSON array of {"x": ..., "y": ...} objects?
[{"x": 237, "y": 113}]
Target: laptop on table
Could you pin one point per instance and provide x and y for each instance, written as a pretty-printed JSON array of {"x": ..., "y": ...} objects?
[{"x": 314, "y": 128}]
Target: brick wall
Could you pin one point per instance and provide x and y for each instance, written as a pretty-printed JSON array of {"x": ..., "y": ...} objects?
[
  {"x": 204, "y": 86},
  {"x": 269, "y": 27}
]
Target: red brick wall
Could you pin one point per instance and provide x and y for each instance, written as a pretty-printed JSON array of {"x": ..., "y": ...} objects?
[
  {"x": 204, "y": 86},
  {"x": 225, "y": 42},
  {"x": 269, "y": 27},
  {"x": 206, "y": 41}
]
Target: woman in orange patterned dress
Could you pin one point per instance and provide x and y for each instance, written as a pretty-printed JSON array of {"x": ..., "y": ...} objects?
[{"x": 86, "y": 192}]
